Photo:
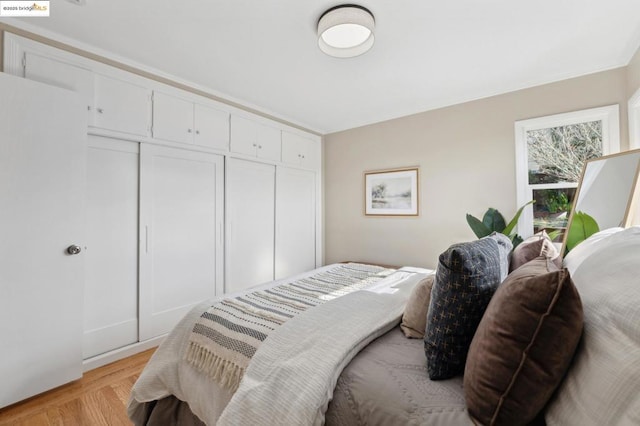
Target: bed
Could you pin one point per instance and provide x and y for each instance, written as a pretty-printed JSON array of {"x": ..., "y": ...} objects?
[
  {"x": 357, "y": 330},
  {"x": 345, "y": 361}
]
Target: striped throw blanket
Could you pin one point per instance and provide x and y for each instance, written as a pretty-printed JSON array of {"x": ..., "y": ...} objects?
[{"x": 227, "y": 335}]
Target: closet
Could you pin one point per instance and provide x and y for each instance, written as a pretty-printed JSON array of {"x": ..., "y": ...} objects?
[
  {"x": 186, "y": 199},
  {"x": 111, "y": 245},
  {"x": 181, "y": 219}
]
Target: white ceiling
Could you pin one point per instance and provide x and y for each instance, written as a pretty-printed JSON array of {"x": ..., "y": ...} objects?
[{"x": 428, "y": 53}]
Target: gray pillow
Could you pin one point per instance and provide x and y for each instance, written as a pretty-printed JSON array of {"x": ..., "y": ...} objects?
[{"x": 467, "y": 276}]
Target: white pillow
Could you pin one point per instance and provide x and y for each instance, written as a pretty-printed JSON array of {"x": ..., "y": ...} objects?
[
  {"x": 586, "y": 248},
  {"x": 602, "y": 386}
]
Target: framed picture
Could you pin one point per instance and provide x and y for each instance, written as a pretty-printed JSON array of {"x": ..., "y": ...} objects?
[{"x": 391, "y": 192}]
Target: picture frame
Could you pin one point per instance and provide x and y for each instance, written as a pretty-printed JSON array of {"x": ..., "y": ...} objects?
[{"x": 392, "y": 192}]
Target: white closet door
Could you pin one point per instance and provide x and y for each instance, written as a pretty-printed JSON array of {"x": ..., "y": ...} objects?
[
  {"x": 181, "y": 206},
  {"x": 111, "y": 255},
  {"x": 42, "y": 171},
  {"x": 172, "y": 118},
  {"x": 250, "y": 224},
  {"x": 295, "y": 221},
  {"x": 122, "y": 106},
  {"x": 212, "y": 127}
]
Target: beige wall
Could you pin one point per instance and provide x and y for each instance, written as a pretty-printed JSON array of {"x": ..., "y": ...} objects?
[
  {"x": 466, "y": 155},
  {"x": 633, "y": 74}
]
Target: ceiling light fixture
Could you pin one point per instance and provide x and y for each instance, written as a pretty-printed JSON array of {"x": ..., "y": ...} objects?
[{"x": 346, "y": 31}]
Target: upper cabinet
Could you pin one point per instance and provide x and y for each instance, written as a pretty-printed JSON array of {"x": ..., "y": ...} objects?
[
  {"x": 121, "y": 106},
  {"x": 180, "y": 120},
  {"x": 126, "y": 105},
  {"x": 300, "y": 151},
  {"x": 254, "y": 139},
  {"x": 112, "y": 104}
]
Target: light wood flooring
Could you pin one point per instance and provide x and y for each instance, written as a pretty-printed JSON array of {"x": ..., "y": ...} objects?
[{"x": 98, "y": 398}]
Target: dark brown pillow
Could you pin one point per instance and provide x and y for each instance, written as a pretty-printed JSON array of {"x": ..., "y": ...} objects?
[
  {"x": 414, "y": 319},
  {"x": 533, "y": 247},
  {"x": 523, "y": 345}
]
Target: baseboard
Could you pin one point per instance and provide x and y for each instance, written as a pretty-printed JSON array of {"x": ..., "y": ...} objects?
[{"x": 120, "y": 353}]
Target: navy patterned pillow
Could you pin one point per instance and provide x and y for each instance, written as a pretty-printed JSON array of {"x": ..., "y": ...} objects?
[{"x": 467, "y": 276}]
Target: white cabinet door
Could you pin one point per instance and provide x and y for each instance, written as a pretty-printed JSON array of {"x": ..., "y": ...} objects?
[
  {"x": 122, "y": 106},
  {"x": 212, "y": 127},
  {"x": 42, "y": 174},
  {"x": 268, "y": 143},
  {"x": 111, "y": 252},
  {"x": 243, "y": 136},
  {"x": 61, "y": 74},
  {"x": 172, "y": 118},
  {"x": 254, "y": 139},
  {"x": 250, "y": 224},
  {"x": 295, "y": 221},
  {"x": 181, "y": 220},
  {"x": 300, "y": 151}
]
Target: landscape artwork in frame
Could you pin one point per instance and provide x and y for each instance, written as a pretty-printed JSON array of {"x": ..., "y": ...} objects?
[{"x": 391, "y": 192}]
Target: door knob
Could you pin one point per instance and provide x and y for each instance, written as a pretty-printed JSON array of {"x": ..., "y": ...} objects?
[{"x": 73, "y": 249}]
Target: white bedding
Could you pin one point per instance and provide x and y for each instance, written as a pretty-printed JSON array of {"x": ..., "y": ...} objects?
[{"x": 291, "y": 377}]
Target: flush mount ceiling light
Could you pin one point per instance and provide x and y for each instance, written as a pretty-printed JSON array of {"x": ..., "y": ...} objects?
[{"x": 346, "y": 31}]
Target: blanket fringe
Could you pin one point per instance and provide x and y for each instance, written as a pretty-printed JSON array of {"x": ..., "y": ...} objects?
[{"x": 225, "y": 372}]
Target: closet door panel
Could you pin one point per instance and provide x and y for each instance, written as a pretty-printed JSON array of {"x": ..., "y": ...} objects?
[
  {"x": 181, "y": 224},
  {"x": 295, "y": 222},
  {"x": 212, "y": 127},
  {"x": 243, "y": 136},
  {"x": 269, "y": 143},
  {"x": 111, "y": 265},
  {"x": 250, "y": 224},
  {"x": 172, "y": 118},
  {"x": 122, "y": 106}
]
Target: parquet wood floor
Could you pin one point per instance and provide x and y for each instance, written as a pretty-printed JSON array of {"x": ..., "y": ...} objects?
[{"x": 98, "y": 398}]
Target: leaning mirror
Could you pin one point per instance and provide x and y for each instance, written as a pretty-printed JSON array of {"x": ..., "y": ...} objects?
[{"x": 605, "y": 196}]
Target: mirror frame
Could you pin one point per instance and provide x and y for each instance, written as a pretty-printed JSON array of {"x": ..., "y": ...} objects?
[{"x": 634, "y": 193}]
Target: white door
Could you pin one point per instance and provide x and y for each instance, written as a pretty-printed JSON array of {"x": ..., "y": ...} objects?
[
  {"x": 250, "y": 224},
  {"x": 181, "y": 220},
  {"x": 122, "y": 106},
  {"x": 295, "y": 221},
  {"x": 212, "y": 127},
  {"x": 42, "y": 175},
  {"x": 61, "y": 74},
  {"x": 244, "y": 135},
  {"x": 172, "y": 118},
  {"x": 269, "y": 143},
  {"x": 111, "y": 254}
]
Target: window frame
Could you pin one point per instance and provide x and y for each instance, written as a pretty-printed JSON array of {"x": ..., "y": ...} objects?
[{"x": 610, "y": 118}]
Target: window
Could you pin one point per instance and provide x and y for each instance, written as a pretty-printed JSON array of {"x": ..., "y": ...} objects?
[{"x": 550, "y": 154}]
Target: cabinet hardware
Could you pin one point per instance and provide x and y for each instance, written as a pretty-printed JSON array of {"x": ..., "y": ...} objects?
[
  {"x": 197, "y": 132},
  {"x": 188, "y": 130},
  {"x": 100, "y": 111},
  {"x": 73, "y": 249}
]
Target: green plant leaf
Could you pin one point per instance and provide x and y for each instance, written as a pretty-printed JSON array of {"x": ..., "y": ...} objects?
[
  {"x": 509, "y": 228},
  {"x": 493, "y": 220},
  {"x": 582, "y": 227},
  {"x": 554, "y": 234},
  {"x": 516, "y": 240},
  {"x": 477, "y": 226}
]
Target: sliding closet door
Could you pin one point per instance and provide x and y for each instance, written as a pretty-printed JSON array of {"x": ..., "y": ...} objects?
[
  {"x": 111, "y": 265},
  {"x": 181, "y": 206},
  {"x": 250, "y": 224},
  {"x": 295, "y": 221},
  {"x": 42, "y": 171}
]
